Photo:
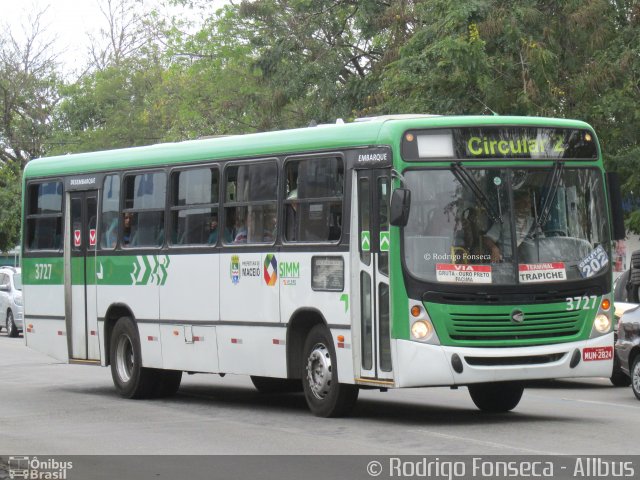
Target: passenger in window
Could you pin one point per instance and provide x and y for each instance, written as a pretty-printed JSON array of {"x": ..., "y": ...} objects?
[
  {"x": 240, "y": 231},
  {"x": 126, "y": 232},
  {"x": 270, "y": 227},
  {"x": 213, "y": 231}
]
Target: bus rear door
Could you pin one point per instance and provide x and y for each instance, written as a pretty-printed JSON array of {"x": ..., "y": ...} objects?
[{"x": 80, "y": 281}]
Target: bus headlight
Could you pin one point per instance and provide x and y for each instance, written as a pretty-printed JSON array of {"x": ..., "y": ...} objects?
[
  {"x": 421, "y": 330},
  {"x": 602, "y": 323}
]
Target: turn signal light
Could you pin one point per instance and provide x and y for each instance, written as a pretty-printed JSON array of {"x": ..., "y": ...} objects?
[
  {"x": 606, "y": 304},
  {"x": 416, "y": 311}
]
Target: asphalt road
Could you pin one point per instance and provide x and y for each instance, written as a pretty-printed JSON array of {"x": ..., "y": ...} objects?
[{"x": 58, "y": 409}]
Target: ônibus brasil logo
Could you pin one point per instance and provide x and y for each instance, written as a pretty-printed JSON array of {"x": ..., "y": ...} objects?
[{"x": 270, "y": 270}]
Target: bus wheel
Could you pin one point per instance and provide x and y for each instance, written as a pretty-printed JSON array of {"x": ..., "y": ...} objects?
[
  {"x": 276, "y": 385},
  {"x": 325, "y": 396},
  {"x": 130, "y": 378},
  {"x": 167, "y": 383},
  {"x": 12, "y": 330},
  {"x": 496, "y": 397}
]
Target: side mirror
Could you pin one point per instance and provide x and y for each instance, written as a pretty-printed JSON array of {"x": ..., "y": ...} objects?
[
  {"x": 4, "y": 288},
  {"x": 615, "y": 202},
  {"x": 400, "y": 207}
]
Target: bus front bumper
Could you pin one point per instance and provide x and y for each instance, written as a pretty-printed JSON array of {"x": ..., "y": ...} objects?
[{"x": 421, "y": 365}]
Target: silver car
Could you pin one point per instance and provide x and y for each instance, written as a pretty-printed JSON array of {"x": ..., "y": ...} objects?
[{"x": 11, "y": 306}]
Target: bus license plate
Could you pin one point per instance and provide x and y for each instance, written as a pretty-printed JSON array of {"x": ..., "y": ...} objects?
[{"x": 597, "y": 353}]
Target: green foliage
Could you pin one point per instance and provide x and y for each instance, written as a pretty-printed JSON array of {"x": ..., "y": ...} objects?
[
  {"x": 269, "y": 64},
  {"x": 115, "y": 107},
  {"x": 10, "y": 194}
]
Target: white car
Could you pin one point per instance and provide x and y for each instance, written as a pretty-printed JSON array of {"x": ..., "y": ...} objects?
[{"x": 11, "y": 306}]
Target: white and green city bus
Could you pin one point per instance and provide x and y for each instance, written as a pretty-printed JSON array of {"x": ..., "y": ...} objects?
[{"x": 404, "y": 251}]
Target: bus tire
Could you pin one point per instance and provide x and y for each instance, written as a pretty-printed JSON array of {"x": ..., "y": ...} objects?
[
  {"x": 325, "y": 396},
  {"x": 276, "y": 385},
  {"x": 496, "y": 397},
  {"x": 12, "y": 330},
  {"x": 635, "y": 259},
  {"x": 130, "y": 378},
  {"x": 167, "y": 383}
]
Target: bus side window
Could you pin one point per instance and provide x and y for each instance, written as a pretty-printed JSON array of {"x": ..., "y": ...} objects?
[
  {"x": 250, "y": 210},
  {"x": 313, "y": 203},
  {"x": 194, "y": 206},
  {"x": 144, "y": 203},
  {"x": 109, "y": 223},
  {"x": 44, "y": 216}
]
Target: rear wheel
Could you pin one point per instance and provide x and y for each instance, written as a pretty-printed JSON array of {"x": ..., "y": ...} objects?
[
  {"x": 130, "y": 378},
  {"x": 276, "y": 385},
  {"x": 12, "y": 330},
  {"x": 635, "y": 376},
  {"x": 496, "y": 397},
  {"x": 325, "y": 396}
]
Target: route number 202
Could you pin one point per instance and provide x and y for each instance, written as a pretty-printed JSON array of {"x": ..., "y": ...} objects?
[
  {"x": 43, "y": 271},
  {"x": 585, "y": 302}
]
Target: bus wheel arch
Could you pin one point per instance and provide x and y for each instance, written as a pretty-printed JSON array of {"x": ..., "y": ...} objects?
[{"x": 114, "y": 313}]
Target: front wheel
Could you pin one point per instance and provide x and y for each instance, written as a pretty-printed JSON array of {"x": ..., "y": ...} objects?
[
  {"x": 12, "y": 330},
  {"x": 325, "y": 396},
  {"x": 496, "y": 397},
  {"x": 130, "y": 378},
  {"x": 635, "y": 376}
]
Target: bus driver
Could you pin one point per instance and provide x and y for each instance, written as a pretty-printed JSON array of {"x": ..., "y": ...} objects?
[{"x": 500, "y": 233}]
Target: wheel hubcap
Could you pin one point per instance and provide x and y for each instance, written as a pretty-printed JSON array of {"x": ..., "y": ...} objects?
[
  {"x": 124, "y": 358},
  {"x": 319, "y": 371},
  {"x": 636, "y": 377}
]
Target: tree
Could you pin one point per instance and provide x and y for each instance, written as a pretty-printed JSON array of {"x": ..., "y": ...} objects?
[
  {"x": 10, "y": 206},
  {"x": 28, "y": 94}
]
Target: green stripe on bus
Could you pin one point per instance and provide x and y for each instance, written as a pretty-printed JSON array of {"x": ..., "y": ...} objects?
[{"x": 116, "y": 270}]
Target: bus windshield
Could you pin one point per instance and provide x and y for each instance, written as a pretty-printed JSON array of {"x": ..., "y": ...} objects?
[{"x": 506, "y": 225}]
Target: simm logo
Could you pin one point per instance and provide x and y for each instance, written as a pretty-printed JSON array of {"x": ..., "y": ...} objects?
[{"x": 289, "y": 272}]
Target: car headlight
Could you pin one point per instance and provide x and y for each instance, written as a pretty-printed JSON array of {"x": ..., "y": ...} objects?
[{"x": 17, "y": 299}]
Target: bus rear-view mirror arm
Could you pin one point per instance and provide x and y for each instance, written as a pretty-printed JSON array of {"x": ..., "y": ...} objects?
[{"x": 400, "y": 207}]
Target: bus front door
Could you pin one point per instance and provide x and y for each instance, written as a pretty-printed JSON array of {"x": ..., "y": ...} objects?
[
  {"x": 80, "y": 282},
  {"x": 372, "y": 308}
]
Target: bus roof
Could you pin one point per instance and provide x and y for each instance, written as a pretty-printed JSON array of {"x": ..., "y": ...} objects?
[{"x": 367, "y": 132}]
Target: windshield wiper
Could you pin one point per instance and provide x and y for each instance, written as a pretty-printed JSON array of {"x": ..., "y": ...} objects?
[
  {"x": 551, "y": 186},
  {"x": 466, "y": 179}
]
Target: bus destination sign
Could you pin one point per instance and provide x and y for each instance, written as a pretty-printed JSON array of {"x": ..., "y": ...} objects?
[{"x": 506, "y": 143}]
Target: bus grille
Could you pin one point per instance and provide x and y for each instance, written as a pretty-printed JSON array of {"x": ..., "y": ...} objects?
[{"x": 491, "y": 326}]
